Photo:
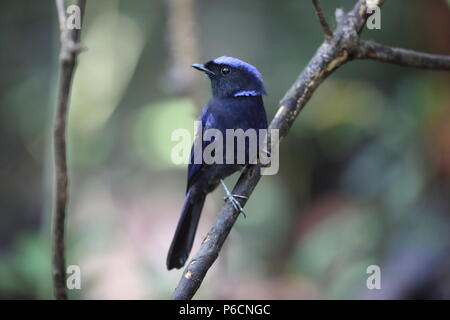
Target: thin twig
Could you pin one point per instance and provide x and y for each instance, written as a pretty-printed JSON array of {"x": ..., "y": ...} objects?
[
  {"x": 322, "y": 20},
  {"x": 402, "y": 57},
  {"x": 333, "y": 53},
  {"x": 68, "y": 56}
]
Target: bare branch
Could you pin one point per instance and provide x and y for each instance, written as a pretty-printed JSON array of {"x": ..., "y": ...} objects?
[
  {"x": 402, "y": 57},
  {"x": 68, "y": 56},
  {"x": 183, "y": 47},
  {"x": 322, "y": 20}
]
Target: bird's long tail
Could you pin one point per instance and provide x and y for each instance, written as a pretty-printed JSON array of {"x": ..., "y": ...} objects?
[{"x": 187, "y": 226}]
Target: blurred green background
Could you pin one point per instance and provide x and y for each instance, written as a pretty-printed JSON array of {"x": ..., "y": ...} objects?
[{"x": 364, "y": 173}]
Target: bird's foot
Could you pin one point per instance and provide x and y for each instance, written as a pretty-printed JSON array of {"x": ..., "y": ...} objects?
[
  {"x": 232, "y": 197},
  {"x": 235, "y": 196},
  {"x": 237, "y": 206}
]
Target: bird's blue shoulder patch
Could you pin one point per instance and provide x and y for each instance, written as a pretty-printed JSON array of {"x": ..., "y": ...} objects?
[
  {"x": 235, "y": 62},
  {"x": 250, "y": 93}
]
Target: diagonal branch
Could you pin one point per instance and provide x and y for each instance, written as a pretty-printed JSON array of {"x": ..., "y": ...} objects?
[
  {"x": 343, "y": 46},
  {"x": 70, "y": 48},
  {"x": 402, "y": 57},
  {"x": 322, "y": 20}
]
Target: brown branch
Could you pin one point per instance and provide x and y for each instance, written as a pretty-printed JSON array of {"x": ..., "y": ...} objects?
[
  {"x": 322, "y": 20},
  {"x": 70, "y": 48},
  {"x": 402, "y": 57},
  {"x": 343, "y": 46},
  {"x": 183, "y": 47}
]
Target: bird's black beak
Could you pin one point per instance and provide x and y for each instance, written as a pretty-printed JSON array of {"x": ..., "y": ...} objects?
[{"x": 202, "y": 67}]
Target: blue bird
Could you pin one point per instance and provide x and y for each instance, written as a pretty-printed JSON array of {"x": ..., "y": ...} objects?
[{"x": 236, "y": 103}]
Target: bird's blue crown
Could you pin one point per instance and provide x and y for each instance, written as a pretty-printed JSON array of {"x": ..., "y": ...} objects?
[{"x": 235, "y": 62}]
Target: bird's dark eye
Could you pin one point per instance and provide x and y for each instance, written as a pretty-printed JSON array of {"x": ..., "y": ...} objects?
[{"x": 225, "y": 70}]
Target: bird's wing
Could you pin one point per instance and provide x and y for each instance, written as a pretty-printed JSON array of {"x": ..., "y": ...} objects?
[{"x": 194, "y": 168}]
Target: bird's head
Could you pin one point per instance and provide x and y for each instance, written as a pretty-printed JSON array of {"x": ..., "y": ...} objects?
[{"x": 231, "y": 77}]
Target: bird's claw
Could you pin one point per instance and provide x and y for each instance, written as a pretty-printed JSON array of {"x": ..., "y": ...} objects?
[
  {"x": 236, "y": 205},
  {"x": 232, "y": 197}
]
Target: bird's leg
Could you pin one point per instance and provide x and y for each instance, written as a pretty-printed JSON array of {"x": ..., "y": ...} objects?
[{"x": 232, "y": 198}]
